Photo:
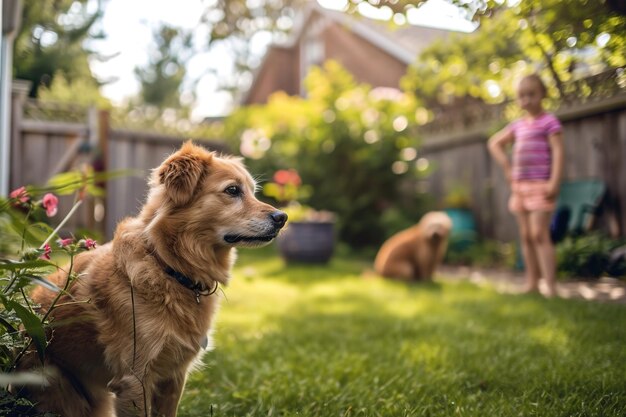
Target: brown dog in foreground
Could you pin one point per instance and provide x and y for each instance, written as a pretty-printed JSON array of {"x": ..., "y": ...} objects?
[
  {"x": 415, "y": 253},
  {"x": 140, "y": 313}
]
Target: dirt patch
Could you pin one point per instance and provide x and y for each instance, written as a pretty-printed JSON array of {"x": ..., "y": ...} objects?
[{"x": 605, "y": 289}]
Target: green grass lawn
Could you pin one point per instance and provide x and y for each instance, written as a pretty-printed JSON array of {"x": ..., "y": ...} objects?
[{"x": 324, "y": 341}]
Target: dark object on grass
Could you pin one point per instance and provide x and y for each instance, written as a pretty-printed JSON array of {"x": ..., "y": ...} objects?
[
  {"x": 594, "y": 267},
  {"x": 559, "y": 224},
  {"x": 616, "y": 266}
]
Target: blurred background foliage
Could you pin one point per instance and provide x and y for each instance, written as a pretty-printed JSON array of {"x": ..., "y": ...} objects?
[
  {"x": 51, "y": 42},
  {"x": 562, "y": 40},
  {"x": 356, "y": 147},
  {"x": 565, "y": 41},
  {"x": 591, "y": 256}
]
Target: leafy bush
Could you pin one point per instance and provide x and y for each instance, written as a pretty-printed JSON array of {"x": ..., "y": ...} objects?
[
  {"x": 485, "y": 253},
  {"x": 354, "y": 145},
  {"x": 585, "y": 256},
  {"x": 588, "y": 256},
  {"x": 28, "y": 247}
]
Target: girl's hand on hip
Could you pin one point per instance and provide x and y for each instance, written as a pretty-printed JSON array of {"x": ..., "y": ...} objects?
[{"x": 552, "y": 190}]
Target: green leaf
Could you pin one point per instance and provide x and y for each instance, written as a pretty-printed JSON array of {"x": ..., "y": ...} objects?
[
  {"x": 95, "y": 191},
  {"x": 41, "y": 281},
  {"x": 11, "y": 265},
  {"x": 7, "y": 325},
  {"x": 32, "y": 324},
  {"x": 69, "y": 182},
  {"x": 42, "y": 227},
  {"x": 32, "y": 235}
]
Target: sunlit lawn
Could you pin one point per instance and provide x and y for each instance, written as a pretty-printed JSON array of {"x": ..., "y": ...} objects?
[{"x": 324, "y": 341}]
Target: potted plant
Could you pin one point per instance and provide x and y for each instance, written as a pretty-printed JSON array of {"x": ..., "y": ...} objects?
[{"x": 310, "y": 235}]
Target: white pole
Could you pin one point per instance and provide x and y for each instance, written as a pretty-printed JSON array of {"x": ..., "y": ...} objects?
[
  {"x": 4, "y": 117},
  {"x": 5, "y": 107},
  {"x": 7, "y": 35}
]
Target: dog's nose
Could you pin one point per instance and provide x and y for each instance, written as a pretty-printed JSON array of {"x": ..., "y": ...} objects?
[{"x": 279, "y": 218}]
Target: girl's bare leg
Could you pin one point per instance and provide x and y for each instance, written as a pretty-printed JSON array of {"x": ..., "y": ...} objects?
[
  {"x": 542, "y": 244},
  {"x": 531, "y": 264}
]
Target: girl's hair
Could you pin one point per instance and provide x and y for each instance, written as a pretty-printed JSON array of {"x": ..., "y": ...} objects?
[{"x": 538, "y": 80}]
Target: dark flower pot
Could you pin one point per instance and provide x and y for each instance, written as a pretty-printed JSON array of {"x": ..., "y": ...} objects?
[{"x": 310, "y": 242}]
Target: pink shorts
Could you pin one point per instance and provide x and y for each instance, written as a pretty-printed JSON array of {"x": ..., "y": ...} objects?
[{"x": 530, "y": 196}]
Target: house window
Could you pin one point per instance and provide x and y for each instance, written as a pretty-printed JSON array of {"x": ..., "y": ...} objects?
[{"x": 313, "y": 53}]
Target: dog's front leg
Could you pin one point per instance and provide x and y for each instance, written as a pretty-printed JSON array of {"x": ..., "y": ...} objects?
[
  {"x": 167, "y": 395},
  {"x": 132, "y": 393}
]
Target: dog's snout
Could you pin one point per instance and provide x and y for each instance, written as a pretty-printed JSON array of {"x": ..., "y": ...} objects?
[{"x": 279, "y": 218}]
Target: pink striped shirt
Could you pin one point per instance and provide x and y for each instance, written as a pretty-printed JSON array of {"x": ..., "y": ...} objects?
[{"x": 532, "y": 155}]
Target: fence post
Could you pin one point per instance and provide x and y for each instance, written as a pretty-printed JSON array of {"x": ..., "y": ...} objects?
[
  {"x": 612, "y": 173},
  {"x": 101, "y": 164},
  {"x": 104, "y": 128}
]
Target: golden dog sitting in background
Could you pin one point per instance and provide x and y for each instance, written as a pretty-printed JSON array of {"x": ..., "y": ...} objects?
[
  {"x": 140, "y": 312},
  {"x": 415, "y": 253}
]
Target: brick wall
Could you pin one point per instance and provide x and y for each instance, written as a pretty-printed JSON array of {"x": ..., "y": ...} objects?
[
  {"x": 280, "y": 72},
  {"x": 368, "y": 63}
]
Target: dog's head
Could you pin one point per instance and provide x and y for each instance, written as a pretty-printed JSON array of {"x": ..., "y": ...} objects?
[
  {"x": 436, "y": 225},
  {"x": 201, "y": 197}
]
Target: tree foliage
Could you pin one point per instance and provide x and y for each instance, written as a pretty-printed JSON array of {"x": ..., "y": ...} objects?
[
  {"x": 83, "y": 91},
  {"x": 563, "y": 40},
  {"x": 51, "y": 39},
  {"x": 243, "y": 18},
  {"x": 161, "y": 104},
  {"x": 161, "y": 79}
]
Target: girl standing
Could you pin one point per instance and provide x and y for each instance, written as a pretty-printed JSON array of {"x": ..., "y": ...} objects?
[{"x": 534, "y": 174}]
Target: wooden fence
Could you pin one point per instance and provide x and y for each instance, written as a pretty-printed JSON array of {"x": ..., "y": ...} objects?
[
  {"x": 140, "y": 152},
  {"x": 42, "y": 146}
]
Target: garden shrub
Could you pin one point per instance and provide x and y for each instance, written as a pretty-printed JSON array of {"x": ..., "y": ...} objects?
[
  {"x": 585, "y": 256},
  {"x": 355, "y": 146},
  {"x": 484, "y": 253}
]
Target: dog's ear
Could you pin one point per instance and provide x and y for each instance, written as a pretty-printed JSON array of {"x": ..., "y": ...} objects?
[{"x": 181, "y": 172}]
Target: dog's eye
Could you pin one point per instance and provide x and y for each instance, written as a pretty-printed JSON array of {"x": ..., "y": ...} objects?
[{"x": 233, "y": 191}]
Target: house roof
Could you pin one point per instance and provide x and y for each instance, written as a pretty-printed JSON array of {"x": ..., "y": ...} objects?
[{"x": 402, "y": 42}]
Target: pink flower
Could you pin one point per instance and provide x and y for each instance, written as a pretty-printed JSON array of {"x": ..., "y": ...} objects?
[
  {"x": 20, "y": 194},
  {"x": 65, "y": 242},
  {"x": 87, "y": 243},
  {"x": 50, "y": 203},
  {"x": 46, "y": 252}
]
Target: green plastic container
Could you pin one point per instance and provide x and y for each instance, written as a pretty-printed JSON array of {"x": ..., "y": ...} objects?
[{"x": 463, "y": 233}]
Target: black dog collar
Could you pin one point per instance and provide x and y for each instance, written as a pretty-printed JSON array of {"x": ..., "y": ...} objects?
[{"x": 197, "y": 288}]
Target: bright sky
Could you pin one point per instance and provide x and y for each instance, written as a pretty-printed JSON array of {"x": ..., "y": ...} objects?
[{"x": 128, "y": 26}]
